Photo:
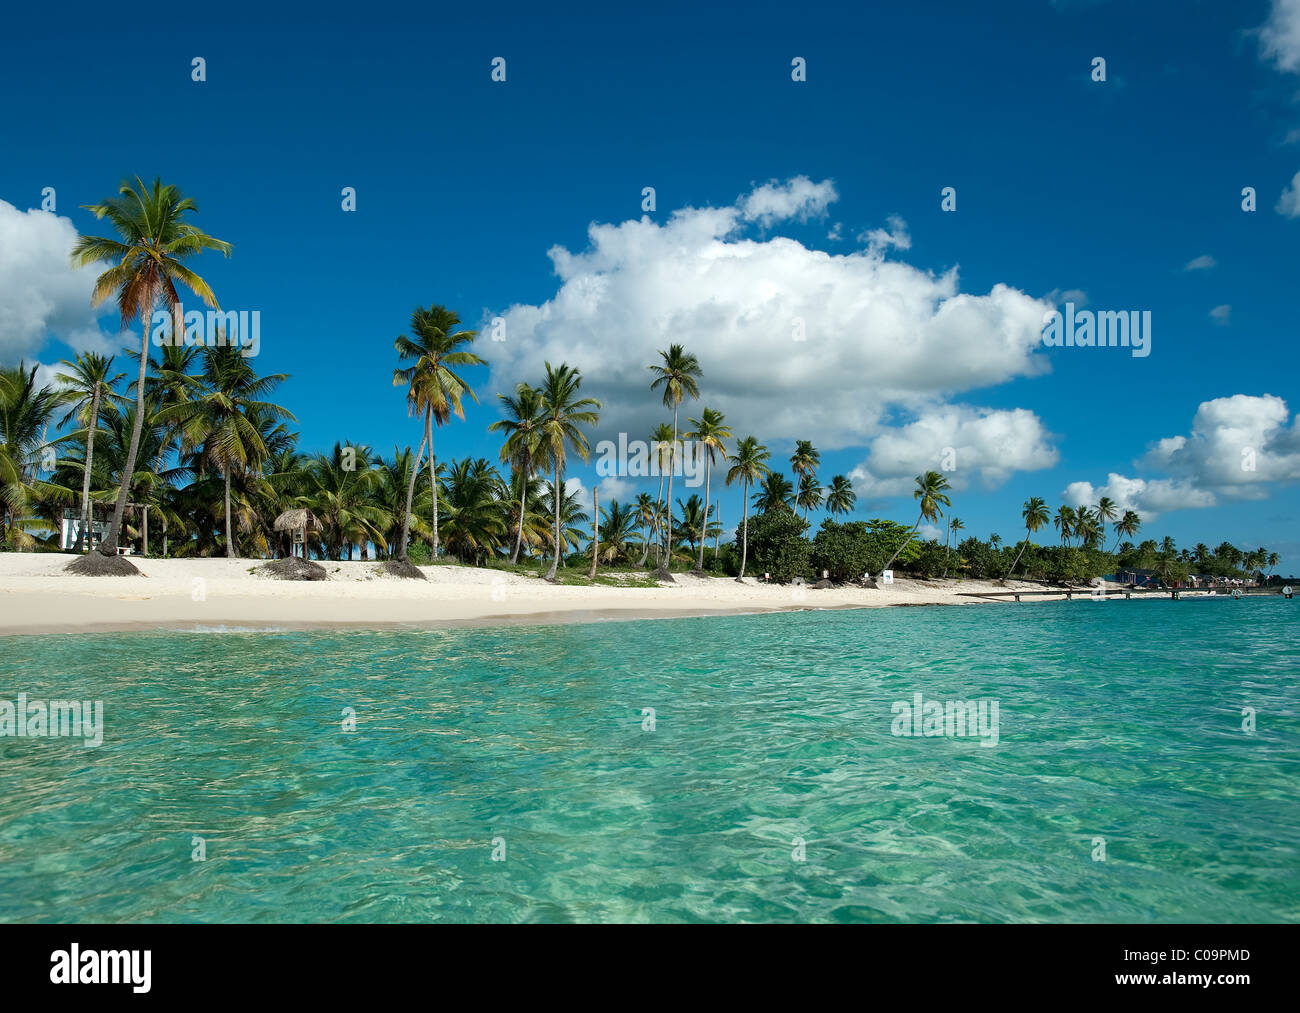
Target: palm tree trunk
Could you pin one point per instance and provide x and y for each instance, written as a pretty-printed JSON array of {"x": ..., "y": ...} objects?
[
  {"x": 947, "y": 551},
  {"x": 704, "y": 535},
  {"x": 595, "y": 528},
  {"x": 659, "y": 495},
  {"x": 410, "y": 498},
  {"x": 672, "y": 466},
  {"x": 108, "y": 546},
  {"x": 744, "y": 538},
  {"x": 230, "y": 544},
  {"x": 1016, "y": 561},
  {"x": 556, "y": 498},
  {"x": 906, "y": 542},
  {"x": 433, "y": 477},
  {"x": 85, "y": 482},
  {"x": 146, "y": 529},
  {"x": 523, "y": 505}
]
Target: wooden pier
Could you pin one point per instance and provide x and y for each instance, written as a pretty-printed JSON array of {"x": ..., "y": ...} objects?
[{"x": 1174, "y": 593}]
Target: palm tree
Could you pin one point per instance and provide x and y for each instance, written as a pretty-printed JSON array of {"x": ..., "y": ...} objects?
[
  {"x": 748, "y": 465},
  {"x": 572, "y": 519},
  {"x": 147, "y": 258},
  {"x": 341, "y": 491},
  {"x": 476, "y": 523},
  {"x": 695, "y": 526},
  {"x": 840, "y": 497},
  {"x": 710, "y": 436},
  {"x": 563, "y": 415},
  {"x": 434, "y": 388},
  {"x": 809, "y": 496},
  {"x": 523, "y": 413},
  {"x": 88, "y": 382},
  {"x": 1066, "y": 519},
  {"x": 661, "y": 443},
  {"x": 1036, "y": 515},
  {"x": 954, "y": 525},
  {"x": 678, "y": 375},
  {"x": 1105, "y": 512},
  {"x": 220, "y": 416},
  {"x": 616, "y": 530},
  {"x": 647, "y": 513},
  {"x": 931, "y": 489},
  {"x": 1088, "y": 528},
  {"x": 25, "y": 413},
  {"x": 777, "y": 494},
  {"x": 804, "y": 462},
  {"x": 1128, "y": 525}
]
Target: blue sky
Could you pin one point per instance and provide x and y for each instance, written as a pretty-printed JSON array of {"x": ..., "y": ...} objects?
[{"x": 1064, "y": 185}]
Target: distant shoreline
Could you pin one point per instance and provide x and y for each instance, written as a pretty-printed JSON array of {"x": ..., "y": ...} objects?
[{"x": 215, "y": 594}]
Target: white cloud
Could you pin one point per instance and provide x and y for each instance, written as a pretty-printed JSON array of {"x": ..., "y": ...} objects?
[
  {"x": 1279, "y": 36},
  {"x": 1221, "y": 314},
  {"x": 1202, "y": 263},
  {"x": 41, "y": 295},
  {"x": 878, "y": 335},
  {"x": 1238, "y": 446},
  {"x": 798, "y": 198},
  {"x": 1288, "y": 205},
  {"x": 978, "y": 443},
  {"x": 895, "y": 236}
]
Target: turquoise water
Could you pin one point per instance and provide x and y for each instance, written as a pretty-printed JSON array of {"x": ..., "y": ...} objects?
[{"x": 1119, "y": 720}]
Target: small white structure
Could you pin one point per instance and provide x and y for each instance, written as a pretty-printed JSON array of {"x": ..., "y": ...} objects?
[
  {"x": 72, "y": 524},
  {"x": 886, "y": 576}
]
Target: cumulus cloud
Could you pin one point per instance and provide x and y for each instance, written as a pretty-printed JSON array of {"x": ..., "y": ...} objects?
[
  {"x": 1201, "y": 263},
  {"x": 793, "y": 341},
  {"x": 965, "y": 443},
  {"x": 1288, "y": 205},
  {"x": 1279, "y": 36},
  {"x": 1237, "y": 448},
  {"x": 41, "y": 295},
  {"x": 879, "y": 240},
  {"x": 1221, "y": 314}
]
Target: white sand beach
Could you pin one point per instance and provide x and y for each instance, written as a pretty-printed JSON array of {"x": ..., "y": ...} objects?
[{"x": 37, "y": 597}]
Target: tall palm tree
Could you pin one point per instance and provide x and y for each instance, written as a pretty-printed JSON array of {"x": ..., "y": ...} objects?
[
  {"x": 932, "y": 492},
  {"x": 804, "y": 462},
  {"x": 564, "y": 414},
  {"x": 25, "y": 413},
  {"x": 1088, "y": 528},
  {"x": 748, "y": 464},
  {"x": 1105, "y": 512},
  {"x": 1066, "y": 519},
  {"x": 433, "y": 388},
  {"x": 840, "y": 497},
  {"x": 1036, "y": 515},
  {"x": 147, "y": 257},
  {"x": 646, "y": 509},
  {"x": 88, "y": 381},
  {"x": 661, "y": 444},
  {"x": 220, "y": 415},
  {"x": 522, "y": 445},
  {"x": 678, "y": 374},
  {"x": 1128, "y": 525},
  {"x": 954, "y": 525},
  {"x": 710, "y": 436}
]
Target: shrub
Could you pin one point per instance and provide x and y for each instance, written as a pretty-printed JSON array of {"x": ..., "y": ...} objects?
[{"x": 777, "y": 545}]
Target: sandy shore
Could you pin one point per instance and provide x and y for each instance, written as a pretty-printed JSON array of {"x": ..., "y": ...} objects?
[{"x": 36, "y": 597}]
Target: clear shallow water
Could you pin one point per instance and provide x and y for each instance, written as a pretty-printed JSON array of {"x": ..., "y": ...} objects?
[{"x": 1119, "y": 720}]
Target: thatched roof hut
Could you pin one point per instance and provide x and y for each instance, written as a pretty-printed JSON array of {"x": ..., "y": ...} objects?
[{"x": 294, "y": 520}]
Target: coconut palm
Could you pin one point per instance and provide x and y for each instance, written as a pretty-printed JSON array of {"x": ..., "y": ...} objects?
[
  {"x": 1036, "y": 515},
  {"x": 810, "y": 494},
  {"x": 695, "y": 526},
  {"x": 1066, "y": 519},
  {"x": 25, "y": 413},
  {"x": 147, "y": 257},
  {"x": 433, "y": 388},
  {"x": 564, "y": 414},
  {"x": 1105, "y": 512},
  {"x": 522, "y": 445},
  {"x": 661, "y": 445},
  {"x": 748, "y": 465},
  {"x": 804, "y": 462},
  {"x": 1088, "y": 528},
  {"x": 776, "y": 494},
  {"x": 573, "y": 520},
  {"x": 340, "y": 491},
  {"x": 1128, "y": 525},
  {"x": 840, "y": 497},
  {"x": 931, "y": 490},
  {"x": 225, "y": 406},
  {"x": 646, "y": 509},
  {"x": 88, "y": 382},
  {"x": 617, "y": 524},
  {"x": 678, "y": 374},
  {"x": 954, "y": 525},
  {"x": 710, "y": 436},
  {"x": 475, "y": 522}
]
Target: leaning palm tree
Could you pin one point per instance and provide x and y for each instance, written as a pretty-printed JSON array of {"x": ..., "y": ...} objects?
[
  {"x": 931, "y": 489},
  {"x": 678, "y": 374},
  {"x": 748, "y": 465},
  {"x": 1036, "y": 515},
  {"x": 147, "y": 258},
  {"x": 710, "y": 436},
  {"x": 88, "y": 382},
  {"x": 954, "y": 525},
  {"x": 522, "y": 445},
  {"x": 1128, "y": 525},
  {"x": 840, "y": 497},
  {"x": 434, "y": 390},
  {"x": 564, "y": 414}
]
